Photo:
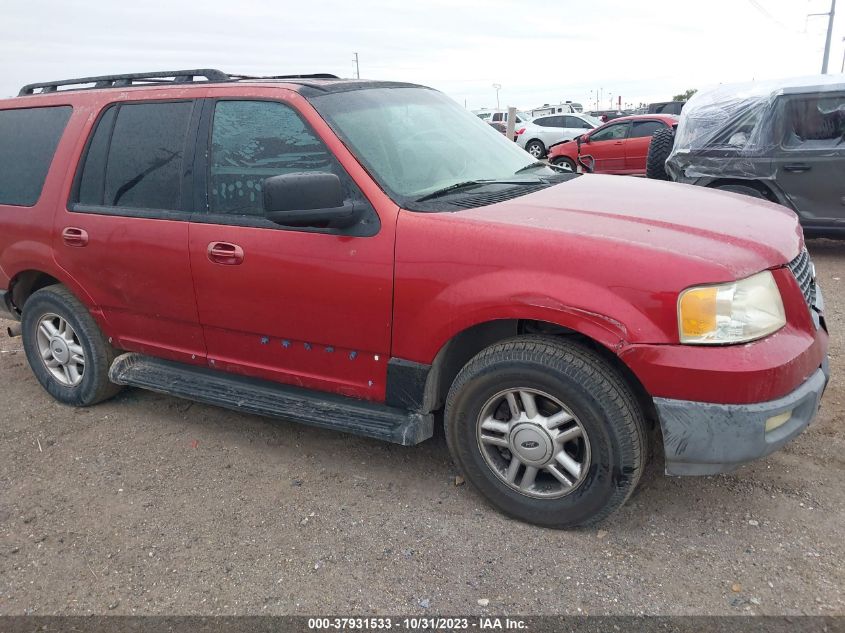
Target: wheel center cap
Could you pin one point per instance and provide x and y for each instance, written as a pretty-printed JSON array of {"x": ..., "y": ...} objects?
[
  {"x": 531, "y": 444},
  {"x": 59, "y": 349}
]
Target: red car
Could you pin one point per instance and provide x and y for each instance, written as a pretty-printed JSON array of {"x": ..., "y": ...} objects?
[
  {"x": 617, "y": 147},
  {"x": 316, "y": 249}
]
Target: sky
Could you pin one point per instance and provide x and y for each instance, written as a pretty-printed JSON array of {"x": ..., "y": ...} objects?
[{"x": 539, "y": 51}]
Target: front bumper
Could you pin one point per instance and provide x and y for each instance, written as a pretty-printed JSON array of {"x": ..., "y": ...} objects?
[{"x": 700, "y": 438}]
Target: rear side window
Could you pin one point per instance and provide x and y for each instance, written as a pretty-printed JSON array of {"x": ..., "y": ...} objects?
[
  {"x": 135, "y": 157},
  {"x": 645, "y": 128},
  {"x": 28, "y": 141}
]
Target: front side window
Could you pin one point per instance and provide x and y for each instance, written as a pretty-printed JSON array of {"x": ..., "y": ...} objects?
[
  {"x": 28, "y": 139},
  {"x": 614, "y": 132},
  {"x": 251, "y": 141},
  {"x": 135, "y": 157},
  {"x": 577, "y": 122}
]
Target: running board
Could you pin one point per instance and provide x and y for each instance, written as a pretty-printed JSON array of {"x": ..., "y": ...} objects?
[{"x": 261, "y": 397}]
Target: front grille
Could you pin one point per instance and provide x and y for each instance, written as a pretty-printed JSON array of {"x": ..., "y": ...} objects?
[{"x": 804, "y": 273}]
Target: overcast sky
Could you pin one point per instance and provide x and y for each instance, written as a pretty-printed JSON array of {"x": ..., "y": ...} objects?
[{"x": 540, "y": 51}]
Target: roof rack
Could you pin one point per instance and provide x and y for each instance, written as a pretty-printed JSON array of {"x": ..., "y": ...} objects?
[{"x": 164, "y": 77}]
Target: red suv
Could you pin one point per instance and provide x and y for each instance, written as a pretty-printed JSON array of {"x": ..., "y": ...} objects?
[
  {"x": 317, "y": 249},
  {"x": 617, "y": 147}
]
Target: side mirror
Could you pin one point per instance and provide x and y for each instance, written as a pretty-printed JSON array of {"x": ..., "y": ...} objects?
[
  {"x": 585, "y": 138},
  {"x": 307, "y": 199}
]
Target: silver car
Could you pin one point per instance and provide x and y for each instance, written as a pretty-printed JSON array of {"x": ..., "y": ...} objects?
[{"x": 540, "y": 133}]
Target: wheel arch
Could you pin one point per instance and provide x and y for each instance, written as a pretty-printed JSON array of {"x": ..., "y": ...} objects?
[
  {"x": 464, "y": 345},
  {"x": 760, "y": 186},
  {"x": 28, "y": 280}
]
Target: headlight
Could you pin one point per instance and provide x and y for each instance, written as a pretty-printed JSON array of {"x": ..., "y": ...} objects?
[{"x": 737, "y": 312}]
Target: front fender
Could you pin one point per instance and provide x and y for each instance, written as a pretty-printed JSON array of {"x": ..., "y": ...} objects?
[{"x": 424, "y": 321}]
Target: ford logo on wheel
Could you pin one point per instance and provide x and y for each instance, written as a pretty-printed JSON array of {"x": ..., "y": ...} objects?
[{"x": 530, "y": 444}]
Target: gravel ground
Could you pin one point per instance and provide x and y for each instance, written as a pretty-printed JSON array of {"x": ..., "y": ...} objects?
[{"x": 152, "y": 505}]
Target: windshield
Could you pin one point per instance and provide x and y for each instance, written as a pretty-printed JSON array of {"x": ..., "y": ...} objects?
[
  {"x": 415, "y": 141},
  {"x": 591, "y": 119}
]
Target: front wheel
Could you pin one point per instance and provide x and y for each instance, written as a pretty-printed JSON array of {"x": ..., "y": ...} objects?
[
  {"x": 564, "y": 163},
  {"x": 536, "y": 148},
  {"x": 546, "y": 430}
]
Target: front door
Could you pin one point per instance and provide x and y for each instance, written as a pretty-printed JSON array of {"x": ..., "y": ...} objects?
[
  {"x": 810, "y": 159},
  {"x": 307, "y": 306},
  {"x": 606, "y": 146}
]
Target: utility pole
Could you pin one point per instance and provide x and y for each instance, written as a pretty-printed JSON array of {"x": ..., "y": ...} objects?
[
  {"x": 842, "y": 70},
  {"x": 829, "y": 15},
  {"x": 357, "y": 70}
]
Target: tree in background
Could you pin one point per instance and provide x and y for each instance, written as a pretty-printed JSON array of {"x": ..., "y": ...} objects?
[{"x": 685, "y": 96}]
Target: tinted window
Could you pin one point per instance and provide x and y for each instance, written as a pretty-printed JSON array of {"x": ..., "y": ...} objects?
[
  {"x": 645, "y": 128},
  {"x": 28, "y": 140},
  {"x": 575, "y": 122},
  {"x": 94, "y": 169},
  {"x": 145, "y": 159},
  {"x": 610, "y": 133},
  {"x": 251, "y": 141},
  {"x": 550, "y": 121}
]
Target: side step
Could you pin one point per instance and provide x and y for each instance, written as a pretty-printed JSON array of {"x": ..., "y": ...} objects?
[{"x": 261, "y": 397}]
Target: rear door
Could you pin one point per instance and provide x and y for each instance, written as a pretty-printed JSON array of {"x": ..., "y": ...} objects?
[
  {"x": 810, "y": 159},
  {"x": 606, "y": 148},
  {"x": 124, "y": 234},
  {"x": 636, "y": 147},
  {"x": 307, "y": 306}
]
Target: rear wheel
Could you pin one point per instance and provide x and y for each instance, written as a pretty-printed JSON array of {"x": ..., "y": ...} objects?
[
  {"x": 564, "y": 163},
  {"x": 68, "y": 354},
  {"x": 547, "y": 431},
  {"x": 658, "y": 151},
  {"x": 536, "y": 148}
]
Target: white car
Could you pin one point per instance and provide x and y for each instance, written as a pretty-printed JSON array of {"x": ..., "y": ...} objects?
[
  {"x": 501, "y": 116},
  {"x": 544, "y": 131}
]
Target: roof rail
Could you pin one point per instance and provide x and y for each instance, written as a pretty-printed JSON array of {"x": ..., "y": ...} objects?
[{"x": 132, "y": 79}]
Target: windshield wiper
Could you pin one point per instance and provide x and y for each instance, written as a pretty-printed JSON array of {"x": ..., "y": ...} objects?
[
  {"x": 458, "y": 185},
  {"x": 539, "y": 163}
]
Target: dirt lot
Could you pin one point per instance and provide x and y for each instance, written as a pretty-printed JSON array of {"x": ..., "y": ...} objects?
[{"x": 148, "y": 504}]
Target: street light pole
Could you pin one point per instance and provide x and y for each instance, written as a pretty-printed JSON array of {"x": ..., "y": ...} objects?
[{"x": 497, "y": 87}]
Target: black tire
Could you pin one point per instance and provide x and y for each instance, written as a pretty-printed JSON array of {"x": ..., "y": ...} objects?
[
  {"x": 538, "y": 146},
  {"x": 562, "y": 161},
  {"x": 658, "y": 151},
  {"x": 745, "y": 190},
  {"x": 593, "y": 391},
  {"x": 95, "y": 385}
]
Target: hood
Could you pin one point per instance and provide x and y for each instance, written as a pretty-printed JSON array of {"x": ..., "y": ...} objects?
[{"x": 729, "y": 235}]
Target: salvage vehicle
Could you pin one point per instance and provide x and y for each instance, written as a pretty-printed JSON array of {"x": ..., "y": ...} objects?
[
  {"x": 544, "y": 131},
  {"x": 618, "y": 147},
  {"x": 782, "y": 141},
  {"x": 317, "y": 249}
]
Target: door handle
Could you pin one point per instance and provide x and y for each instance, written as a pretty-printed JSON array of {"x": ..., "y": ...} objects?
[
  {"x": 72, "y": 236},
  {"x": 618, "y": 143},
  {"x": 225, "y": 253},
  {"x": 797, "y": 167}
]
